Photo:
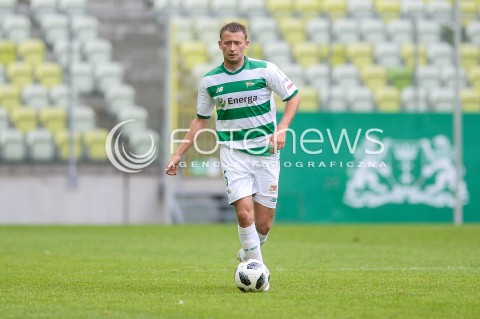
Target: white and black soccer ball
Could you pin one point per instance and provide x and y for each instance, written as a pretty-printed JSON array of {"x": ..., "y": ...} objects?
[{"x": 252, "y": 276}]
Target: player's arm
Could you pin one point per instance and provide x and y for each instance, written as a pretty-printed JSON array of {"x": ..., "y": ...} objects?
[
  {"x": 277, "y": 140},
  {"x": 196, "y": 125}
]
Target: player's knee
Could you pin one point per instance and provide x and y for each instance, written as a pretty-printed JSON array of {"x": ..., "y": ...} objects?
[{"x": 263, "y": 227}]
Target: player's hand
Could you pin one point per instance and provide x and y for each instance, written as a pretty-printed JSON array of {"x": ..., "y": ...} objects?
[
  {"x": 277, "y": 140},
  {"x": 172, "y": 166}
]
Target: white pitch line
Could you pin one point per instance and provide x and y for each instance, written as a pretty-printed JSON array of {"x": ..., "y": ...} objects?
[{"x": 398, "y": 268}]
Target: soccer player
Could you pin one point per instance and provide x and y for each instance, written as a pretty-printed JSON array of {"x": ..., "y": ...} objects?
[{"x": 241, "y": 89}]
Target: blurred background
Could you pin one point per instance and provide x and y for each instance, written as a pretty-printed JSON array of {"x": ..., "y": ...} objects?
[{"x": 72, "y": 70}]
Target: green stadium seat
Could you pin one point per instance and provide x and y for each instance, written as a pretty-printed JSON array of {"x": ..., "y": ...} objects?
[
  {"x": 8, "y": 53},
  {"x": 40, "y": 145},
  {"x": 16, "y": 27},
  {"x": 53, "y": 118},
  {"x": 94, "y": 143},
  {"x": 470, "y": 99},
  {"x": 24, "y": 118},
  {"x": 31, "y": 51},
  {"x": 9, "y": 97},
  {"x": 48, "y": 74},
  {"x": 20, "y": 74},
  {"x": 12, "y": 146},
  {"x": 35, "y": 95},
  {"x": 400, "y": 78},
  {"x": 63, "y": 141},
  {"x": 387, "y": 99}
]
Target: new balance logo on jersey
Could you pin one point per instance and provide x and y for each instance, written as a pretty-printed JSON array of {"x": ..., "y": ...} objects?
[
  {"x": 219, "y": 89},
  {"x": 246, "y": 99}
]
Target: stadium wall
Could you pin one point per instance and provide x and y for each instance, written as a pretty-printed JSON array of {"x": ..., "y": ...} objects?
[{"x": 98, "y": 199}]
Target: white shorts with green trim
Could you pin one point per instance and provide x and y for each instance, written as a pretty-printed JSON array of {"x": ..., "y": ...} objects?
[{"x": 247, "y": 175}]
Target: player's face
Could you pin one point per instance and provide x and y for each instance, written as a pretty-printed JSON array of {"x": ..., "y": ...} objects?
[{"x": 233, "y": 45}]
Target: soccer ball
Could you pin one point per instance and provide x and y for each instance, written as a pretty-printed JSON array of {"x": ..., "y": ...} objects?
[{"x": 252, "y": 276}]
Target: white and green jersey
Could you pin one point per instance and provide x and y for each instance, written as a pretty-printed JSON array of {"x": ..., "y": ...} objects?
[{"x": 246, "y": 115}]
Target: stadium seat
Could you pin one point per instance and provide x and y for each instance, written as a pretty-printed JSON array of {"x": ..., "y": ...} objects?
[
  {"x": 440, "y": 54},
  {"x": 138, "y": 114},
  {"x": 318, "y": 76},
  {"x": 181, "y": 29},
  {"x": 7, "y": 7},
  {"x": 120, "y": 96},
  {"x": 278, "y": 52},
  {"x": 83, "y": 118},
  {"x": 428, "y": 31},
  {"x": 473, "y": 32},
  {"x": 20, "y": 74},
  {"x": 81, "y": 77},
  {"x": 195, "y": 7},
  {"x": 84, "y": 28},
  {"x": 7, "y": 52},
  {"x": 42, "y": 8},
  {"x": 40, "y": 145},
  {"x": 306, "y": 54},
  {"x": 98, "y": 50},
  {"x": 336, "y": 9},
  {"x": 400, "y": 31},
  {"x": 474, "y": 77},
  {"x": 252, "y": 8},
  {"x": 336, "y": 54},
  {"x": 373, "y": 30},
  {"x": 73, "y": 7},
  {"x": 318, "y": 30},
  {"x": 427, "y": 76},
  {"x": 413, "y": 55},
  {"x": 67, "y": 52},
  {"x": 307, "y": 8},
  {"x": 345, "y": 76},
  {"x": 414, "y": 99},
  {"x": 293, "y": 30},
  {"x": 412, "y": 9},
  {"x": 295, "y": 73},
  {"x": 55, "y": 28},
  {"x": 400, "y": 78},
  {"x": 94, "y": 142},
  {"x": 4, "y": 121},
  {"x": 63, "y": 141},
  {"x": 264, "y": 30},
  {"x": 345, "y": 31},
  {"x": 12, "y": 145},
  {"x": 255, "y": 50},
  {"x": 16, "y": 27},
  {"x": 280, "y": 7},
  {"x": 360, "y": 9},
  {"x": 48, "y": 74},
  {"x": 387, "y": 99},
  {"x": 35, "y": 95},
  {"x": 360, "y": 99},
  {"x": 53, "y": 118},
  {"x": 60, "y": 95},
  {"x": 441, "y": 99},
  {"x": 206, "y": 29},
  {"x": 374, "y": 77},
  {"x": 310, "y": 98},
  {"x": 468, "y": 11},
  {"x": 470, "y": 99},
  {"x": 448, "y": 75},
  {"x": 9, "y": 97},
  {"x": 24, "y": 118},
  {"x": 221, "y": 7},
  {"x": 469, "y": 55},
  {"x": 108, "y": 74},
  {"x": 140, "y": 142},
  {"x": 192, "y": 53},
  {"x": 3, "y": 77},
  {"x": 31, "y": 51},
  {"x": 360, "y": 54},
  {"x": 387, "y": 54},
  {"x": 388, "y": 9},
  {"x": 335, "y": 99},
  {"x": 440, "y": 11}
]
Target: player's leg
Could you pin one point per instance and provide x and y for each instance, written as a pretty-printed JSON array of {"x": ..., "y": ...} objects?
[
  {"x": 247, "y": 231},
  {"x": 263, "y": 220}
]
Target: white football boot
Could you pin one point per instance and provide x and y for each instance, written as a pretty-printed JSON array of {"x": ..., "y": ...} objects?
[{"x": 241, "y": 256}]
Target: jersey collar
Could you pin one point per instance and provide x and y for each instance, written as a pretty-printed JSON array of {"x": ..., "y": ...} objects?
[{"x": 239, "y": 70}]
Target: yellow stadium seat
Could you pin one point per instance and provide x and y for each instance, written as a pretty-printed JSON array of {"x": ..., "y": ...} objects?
[
  {"x": 255, "y": 51},
  {"x": 412, "y": 58},
  {"x": 32, "y": 51},
  {"x": 20, "y": 74},
  {"x": 24, "y": 118},
  {"x": 62, "y": 141},
  {"x": 469, "y": 55},
  {"x": 388, "y": 9},
  {"x": 48, "y": 74},
  {"x": 334, "y": 54},
  {"x": 387, "y": 99},
  {"x": 306, "y": 54},
  {"x": 9, "y": 97},
  {"x": 474, "y": 77},
  {"x": 192, "y": 53},
  {"x": 7, "y": 52},
  {"x": 309, "y": 99},
  {"x": 53, "y": 118},
  {"x": 470, "y": 99},
  {"x": 292, "y": 29},
  {"x": 280, "y": 7},
  {"x": 336, "y": 9},
  {"x": 307, "y": 8},
  {"x": 94, "y": 142},
  {"x": 374, "y": 77},
  {"x": 469, "y": 11},
  {"x": 360, "y": 54}
]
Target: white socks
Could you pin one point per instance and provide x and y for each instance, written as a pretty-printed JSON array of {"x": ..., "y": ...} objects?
[
  {"x": 250, "y": 242},
  {"x": 262, "y": 238}
]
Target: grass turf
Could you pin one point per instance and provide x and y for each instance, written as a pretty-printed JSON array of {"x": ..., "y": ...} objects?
[{"x": 351, "y": 271}]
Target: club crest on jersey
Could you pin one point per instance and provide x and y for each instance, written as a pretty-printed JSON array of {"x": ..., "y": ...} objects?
[
  {"x": 220, "y": 103},
  {"x": 249, "y": 84}
]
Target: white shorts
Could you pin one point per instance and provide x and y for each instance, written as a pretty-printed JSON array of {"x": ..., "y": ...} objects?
[{"x": 247, "y": 175}]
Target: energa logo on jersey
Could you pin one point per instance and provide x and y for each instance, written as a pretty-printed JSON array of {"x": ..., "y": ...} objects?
[
  {"x": 416, "y": 172},
  {"x": 220, "y": 103}
]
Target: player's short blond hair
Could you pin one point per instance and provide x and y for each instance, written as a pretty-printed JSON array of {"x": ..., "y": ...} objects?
[{"x": 234, "y": 27}]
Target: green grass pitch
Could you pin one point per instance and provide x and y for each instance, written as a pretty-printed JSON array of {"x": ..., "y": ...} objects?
[{"x": 317, "y": 271}]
